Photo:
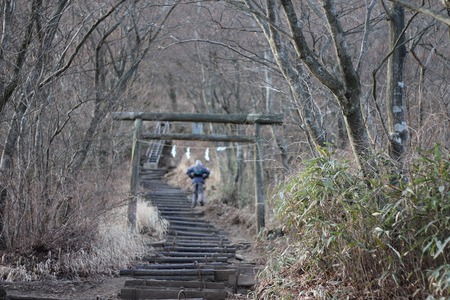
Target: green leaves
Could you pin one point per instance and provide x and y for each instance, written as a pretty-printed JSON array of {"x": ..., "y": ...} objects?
[{"x": 378, "y": 236}]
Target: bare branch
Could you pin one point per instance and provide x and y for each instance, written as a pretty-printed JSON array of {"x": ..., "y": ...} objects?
[
  {"x": 366, "y": 35},
  {"x": 80, "y": 44},
  {"x": 423, "y": 10}
]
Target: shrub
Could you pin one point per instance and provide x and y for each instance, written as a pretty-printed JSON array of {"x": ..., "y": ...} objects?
[{"x": 351, "y": 237}]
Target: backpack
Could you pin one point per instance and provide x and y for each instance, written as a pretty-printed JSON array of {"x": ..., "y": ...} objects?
[{"x": 198, "y": 172}]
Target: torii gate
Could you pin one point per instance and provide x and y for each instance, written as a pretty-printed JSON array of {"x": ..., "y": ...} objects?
[{"x": 256, "y": 119}]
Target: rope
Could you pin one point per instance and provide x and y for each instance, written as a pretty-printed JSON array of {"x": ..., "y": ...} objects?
[{"x": 200, "y": 273}]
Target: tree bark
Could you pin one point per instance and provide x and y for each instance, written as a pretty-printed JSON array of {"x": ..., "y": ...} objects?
[{"x": 398, "y": 131}]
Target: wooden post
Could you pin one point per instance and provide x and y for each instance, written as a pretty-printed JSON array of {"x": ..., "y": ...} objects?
[
  {"x": 259, "y": 181},
  {"x": 135, "y": 168}
]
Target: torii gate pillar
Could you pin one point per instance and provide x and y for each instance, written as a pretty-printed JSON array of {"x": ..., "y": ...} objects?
[
  {"x": 134, "y": 177},
  {"x": 259, "y": 181}
]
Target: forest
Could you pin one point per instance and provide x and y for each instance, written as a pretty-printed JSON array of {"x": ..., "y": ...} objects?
[{"x": 357, "y": 176}]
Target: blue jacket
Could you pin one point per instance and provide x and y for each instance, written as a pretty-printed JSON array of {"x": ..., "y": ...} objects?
[{"x": 198, "y": 173}]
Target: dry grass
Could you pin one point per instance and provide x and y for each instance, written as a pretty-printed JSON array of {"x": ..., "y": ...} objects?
[
  {"x": 92, "y": 238},
  {"x": 149, "y": 221}
]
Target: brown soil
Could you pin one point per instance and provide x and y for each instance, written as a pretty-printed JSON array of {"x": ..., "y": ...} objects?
[{"x": 238, "y": 223}]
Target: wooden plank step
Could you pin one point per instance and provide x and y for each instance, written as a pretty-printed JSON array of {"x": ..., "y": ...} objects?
[
  {"x": 168, "y": 194},
  {"x": 208, "y": 278},
  {"x": 190, "y": 223},
  {"x": 198, "y": 222},
  {"x": 170, "y": 272},
  {"x": 194, "y": 234},
  {"x": 186, "y": 236},
  {"x": 206, "y": 242},
  {"x": 169, "y": 206},
  {"x": 174, "y": 205},
  {"x": 200, "y": 240},
  {"x": 214, "y": 242},
  {"x": 177, "y": 293},
  {"x": 189, "y": 244},
  {"x": 147, "y": 176},
  {"x": 181, "y": 266},
  {"x": 195, "y": 254},
  {"x": 162, "y": 203},
  {"x": 167, "y": 213},
  {"x": 200, "y": 249},
  {"x": 193, "y": 229},
  {"x": 151, "y": 177},
  {"x": 159, "y": 174},
  {"x": 180, "y": 212},
  {"x": 193, "y": 225},
  {"x": 184, "y": 218},
  {"x": 174, "y": 283},
  {"x": 163, "y": 199},
  {"x": 179, "y": 236},
  {"x": 199, "y": 259}
]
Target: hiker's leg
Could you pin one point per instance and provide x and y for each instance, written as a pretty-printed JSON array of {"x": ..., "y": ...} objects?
[
  {"x": 200, "y": 193},
  {"x": 194, "y": 195}
]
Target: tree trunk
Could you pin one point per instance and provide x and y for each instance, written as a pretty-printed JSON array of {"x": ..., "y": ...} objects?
[
  {"x": 398, "y": 131},
  {"x": 295, "y": 76},
  {"x": 281, "y": 143},
  {"x": 346, "y": 87},
  {"x": 172, "y": 92},
  {"x": 238, "y": 174}
]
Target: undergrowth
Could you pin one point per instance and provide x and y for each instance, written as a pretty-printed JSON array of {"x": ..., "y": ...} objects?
[
  {"x": 348, "y": 238},
  {"x": 77, "y": 236},
  {"x": 113, "y": 247}
]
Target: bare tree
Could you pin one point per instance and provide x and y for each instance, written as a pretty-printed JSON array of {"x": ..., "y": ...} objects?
[
  {"x": 45, "y": 33},
  {"x": 122, "y": 63},
  {"x": 345, "y": 85},
  {"x": 52, "y": 130},
  {"x": 293, "y": 72},
  {"x": 398, "y": 131}
]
